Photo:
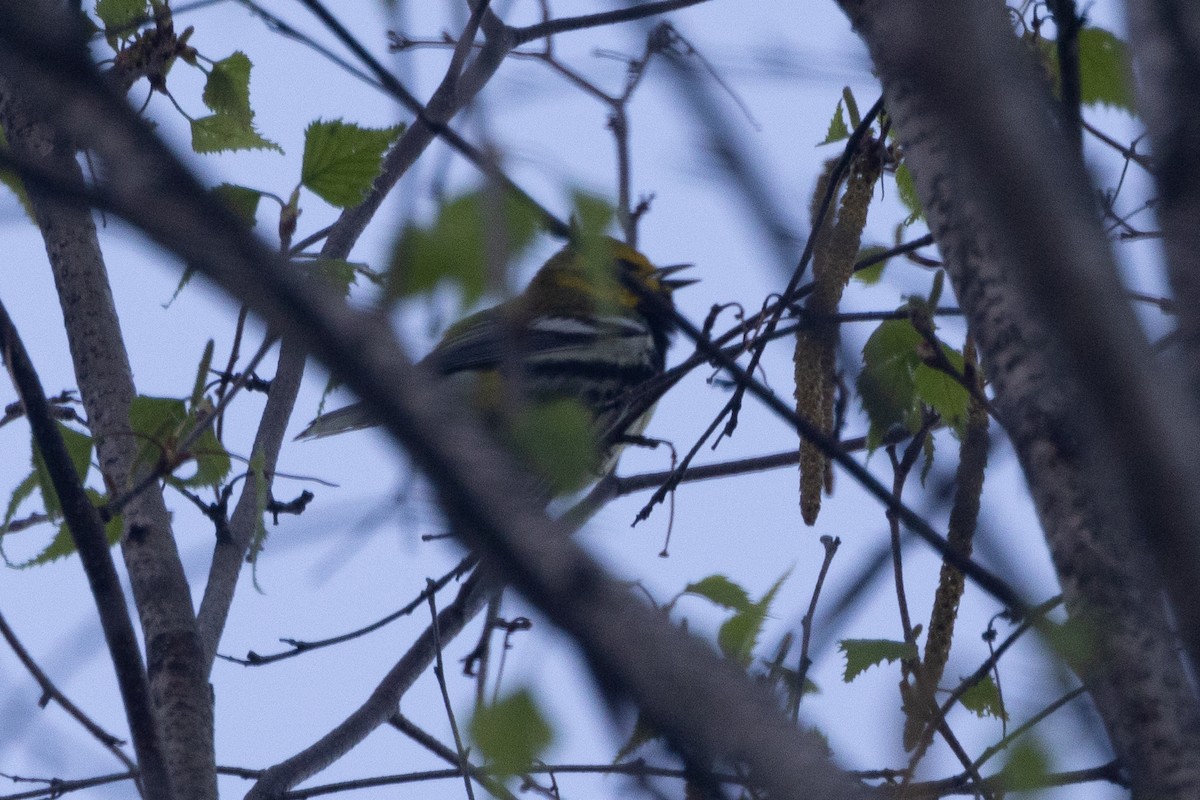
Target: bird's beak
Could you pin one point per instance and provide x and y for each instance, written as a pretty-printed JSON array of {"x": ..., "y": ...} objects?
[{"x": 664, "y": 276}]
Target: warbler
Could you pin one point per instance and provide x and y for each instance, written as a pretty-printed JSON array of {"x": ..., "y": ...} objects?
[{"x": 592, "y": 327}]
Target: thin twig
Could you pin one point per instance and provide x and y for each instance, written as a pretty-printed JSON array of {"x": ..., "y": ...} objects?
[
  {"x": 1030, "y": 618},
  {"x": 986, "y": 580},
  {"x": 51, "y": 692},
  {"x": 901, "y": 467},
  {"x": 439, "y": 672},
  {"x": 831, "y": 544},
  {"x": 849, "y": 153},
  {"x": 1128, "y": 153},
  {"x": 299, "y": 646},
  {"x": 1069, "y": 23},
  {"x": 565, "y": 24},
  {"x": 479, "y": 159},
  {"x": 87, "y": 532},
  {"x": 467, "y": 39},
  {"x": 234, "y": 354},
  {"x": 1020, "y": 730},
  {"x": 56, "y": 787},
  {"x": 467, "y": 769},
  {"x": 182, "y": 450}
]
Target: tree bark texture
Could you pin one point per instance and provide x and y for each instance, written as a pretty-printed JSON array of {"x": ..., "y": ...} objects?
[
  {"x": 1166, "y": 35},
  {"x": 179, "y": 688},
  {"x": 1009, "y": 204}
]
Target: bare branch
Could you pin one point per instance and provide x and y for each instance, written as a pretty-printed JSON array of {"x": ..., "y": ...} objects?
[
  {"x": 180, "y": 696},
  {"x": 87, "y": 531},
  {"x": 550, "y": 27},
  {"x": 381, "y": 705},
  {"x": 51, "y": 692}
]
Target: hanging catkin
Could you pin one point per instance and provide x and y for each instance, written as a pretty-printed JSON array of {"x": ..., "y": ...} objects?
[{"x": 836, "y": 247}]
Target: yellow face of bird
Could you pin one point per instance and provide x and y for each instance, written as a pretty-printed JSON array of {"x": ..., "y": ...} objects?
[{"x": 599, "y": 277}]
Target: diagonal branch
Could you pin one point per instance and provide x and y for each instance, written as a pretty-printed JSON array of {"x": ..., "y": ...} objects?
[
  {"x": 566, "y": 24},
  {"x": 179, "y": 689},
  {"x": 52, "y": 692},
  {"x": 87, "y": 531}
]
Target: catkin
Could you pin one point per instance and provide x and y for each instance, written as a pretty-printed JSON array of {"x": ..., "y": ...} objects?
[
  {"x": 964, "y": 514},
  {"x": 836, "y": 247}
]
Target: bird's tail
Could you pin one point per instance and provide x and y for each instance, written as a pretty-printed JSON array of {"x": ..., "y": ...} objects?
[{"x": 351, "y": 418}]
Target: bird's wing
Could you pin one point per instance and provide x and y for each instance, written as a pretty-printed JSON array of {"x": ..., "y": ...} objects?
[
  {"x": 476, "y": 342},
  {"x": 484, "y": 340}
]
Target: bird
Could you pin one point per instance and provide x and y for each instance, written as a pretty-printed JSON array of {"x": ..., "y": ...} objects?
[{"x": 570, "y": 352}]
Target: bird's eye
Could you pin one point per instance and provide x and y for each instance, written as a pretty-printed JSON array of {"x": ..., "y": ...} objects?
[{"x": 630, "y": 269}]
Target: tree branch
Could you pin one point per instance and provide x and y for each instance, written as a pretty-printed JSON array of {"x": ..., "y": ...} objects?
[
  {"x": 1108, "y": 443},
  {"x": 181, "y": 697},
  {"x": 550, "y": 27},
  {"x": 52, "y": 692},
  {"x": 87, "y": 531},
  {"x": 1169, "y": 63},
  {"x": 382, "y": 703}
]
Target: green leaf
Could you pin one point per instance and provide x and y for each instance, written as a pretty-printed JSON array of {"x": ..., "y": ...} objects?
[
  {"x": 262, "y": 494},
  {"x": 721, "y": 591},
  {"x": 63, "y": 543},
  {"x": 227, "y": 90},
  {"x": 791, "y": 677},
  {"x": 1075, "y": 641},
  {"x": 184, "y": 280},
  {"x": 886, "y": 385},
  {"x": 20, "y": 494},
  {"x": 212, "y": 461},
  {"x": 896, "y": 382},
  {"x": 120, "y": 16},
  {"x": 338, "y": 273},
  {"x": 61, "y": 546},
  {"x": 592, "y": 214},
  {"x": 231, "y": 127},
  {"x": 837, "y": 127},
  {"x": 512, "y": 733},
  {"x": 341, "y": 159},
  {"x": 202, "y": 374},
  {"x": 157, "y": 424},
  {"x": 79, "y": 448},
  {"x": 984, "y": 699},
  {"x": 454, "y": 247},
  {"x": 851, "y": 107},
  {"x": 642, "y": 733},
  {"x": 222, "y": 132},
  {"x": 558, "y": 441},
  {"x": 161, "y": 424},
  {"x": 13, "y": 181},
  {"x": 241, "y": 200},
  {"x": 941, "y": 392},
  {"x": 738, "y": 637},
  {"x": 908, "y": 194},
  {"x": 592, "y": 218},
  {"x": 872, "y": 274},
  {"x": 935, "y": 291},
  {"x": 1027, "y": 766},
  {"x": 1105, "y": 71},
  {"x": 862, "y": 654}
]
